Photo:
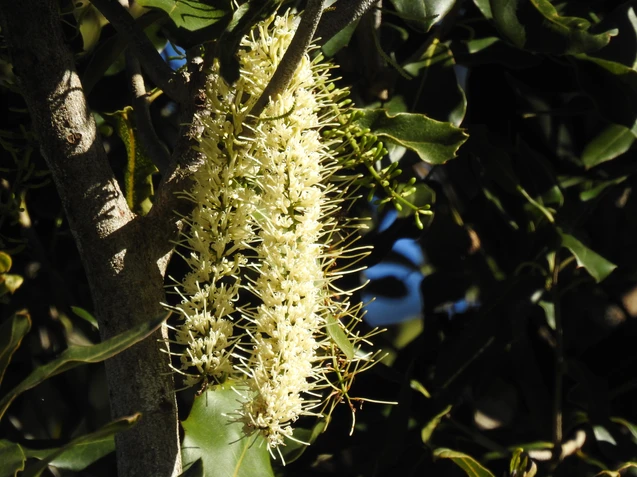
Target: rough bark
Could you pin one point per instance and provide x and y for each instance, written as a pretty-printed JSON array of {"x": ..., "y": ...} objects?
[{"x": 122, "y": 255}]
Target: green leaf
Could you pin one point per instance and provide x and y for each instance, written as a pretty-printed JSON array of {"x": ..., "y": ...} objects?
[
  {"x": 90, "y": 22},
  {"x": 5, "y": 262},
  {"x": 11, "y": 333},
  {"x": 214, "y": 436},
  {"x": 77, "y": 355},
  {"x": 339, "y": 41},
  {"x": 598, "y": 267},
  {"x": 12, "y": 458},
  {"x": 612, "y": 86},
  {"x": 430, "y": 427},
  {"x": 485, "y": 8},
  {"x": 9, "y": 283},
  {"x": 138, "y": 182},
  {"x": 191, "y": 14},
  {"x": 82, "y": 451},
  {"x": 598, "y": 187},
  {"x": 293, "y": 449},
  {"x": 612, "y": 142},
  {"x": 536, "y": 25},
  {"x": 467, "y": 463},
  {"x": 616, "y": 473},
  {"x": 435, "y": 142},
  {"x": 335, "y": 331},
  {"x": 85, "y": 315},
  {"x": 422, "y": 14},
  {"x": 195, "y": 470}
]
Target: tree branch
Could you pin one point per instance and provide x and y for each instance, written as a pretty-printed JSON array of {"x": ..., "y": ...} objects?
[
  {"x": 120, "y": 256},
  {"x": 154, "y": 66},
  {"x": 290, "y": 61},
  {"x": 145, "y": 129},
  {"x": 344, "y": 13}
]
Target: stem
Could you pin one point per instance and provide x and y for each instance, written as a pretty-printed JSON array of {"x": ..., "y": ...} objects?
[
  {"x": 344, "y": 13},
  {"x": 559, "y": 363},
  {"x": 152, "y": 62},
  {"x": 292, "y": 57}
]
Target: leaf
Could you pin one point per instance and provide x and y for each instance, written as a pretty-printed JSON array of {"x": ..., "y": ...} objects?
[
  {"x": 77, "y": 355},
  {"x": 485, "y": 7},
  {"x": 435, "y": 142},
  {"x": 492, "y": 50},
  {"x": 293, "y": 449},
  {"x": 85, "y": 315},
  {"x": 339, "y": 41},
  {"x": 430, "y": 427},
  {"x": 467, "y": 463},
  {"x": 12, "y": 458},
  {"x": 598, "y": 267},
  {"x": 11, "y": 333},
  {"x": 536, "y": 25},
  {"x": 598, "y": 188},
  {"x": 215, "y": 437},
  {"x": 90, "y": 22},
  {"x": 9, "y": 283},
  {"x": 335, "y": 331},
  {"x": 612, "y": 142},
  {"x": 82, "y": 451},
  {"x": 613, "y": 88},
  {"x": 191, "y": 14},
  {"x": 195, "y": 470},
  {"x": 423, "y": 14},
  {"x": 5, "y": 262},
  {"x": 138, "y": 182}
]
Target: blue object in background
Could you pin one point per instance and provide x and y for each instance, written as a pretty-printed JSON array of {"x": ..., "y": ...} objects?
[{"x": 170, "y": 52}]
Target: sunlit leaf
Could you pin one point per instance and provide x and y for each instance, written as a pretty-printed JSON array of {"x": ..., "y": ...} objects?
[
  {"x": 336, "y": 332},
  {"x": 435, "y": 142},
  {"x": 82, "y": 451},
  {"x": 598, "y": 267},
  {"x": 12, "y": 458},
  {"x": 430, "y": 427},
  {"x": 10, "y": 282},
  {"x": 536, "y": 25},
  {"x": 11, "y": 333},
  {"x": 617, "y": 473},
  {"x": 85, "y": 315},
  {"x": 77, "y": 355},
  {"x": 5, "y": 262},
  {"x": 612, "y": 142},
  {"x": 138, "y": 182},
  {"x": 191, "y": 14},
  {"x": 467, "y": 463},
  {"x": 213, "y": 435}
]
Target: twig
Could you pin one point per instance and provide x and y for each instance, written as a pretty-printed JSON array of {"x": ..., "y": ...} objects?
[
  {"x": 559, "y": 363},
  {"x": 153, "y": 64},
  {"x": 290, "y": 61},
  {"x": 344, "y": 13},
  {"x": 147, "y": 135}
]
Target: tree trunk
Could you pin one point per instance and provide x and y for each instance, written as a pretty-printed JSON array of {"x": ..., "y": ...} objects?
[{"x": 123, "y": 256}]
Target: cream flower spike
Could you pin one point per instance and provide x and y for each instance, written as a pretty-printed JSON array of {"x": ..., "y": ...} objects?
[{"x": 259, "y": 305}]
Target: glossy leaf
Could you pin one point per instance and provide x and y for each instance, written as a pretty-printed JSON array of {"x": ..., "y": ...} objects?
[
  {"x": 536, "y": 25},
  {"x": 191, "y": 14},
  {"x": 467, "y": 463},
  {"x": 82, "y": 451},
  {"x": 77, "y": 355},
  {"x": 11, "y": 333},
  {"x": 613, "y": 141},
  {"x": 336, "y": 332},
  {"x": 138, "y": 182},
  {"x": 12, "y": 458},
  {"x": 215, "y": 437},
  {"x": 422, "y": 14},
  {"x": 5, "y": 262},
  {"x": 598, "y": 267},
  {"x": 435, "y": 142},
  {"x": 10, "y": 282},
  {"x": 85, "y": 315}
]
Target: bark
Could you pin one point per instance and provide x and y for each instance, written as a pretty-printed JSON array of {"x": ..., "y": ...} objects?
[{"x": 123, "y": 255}]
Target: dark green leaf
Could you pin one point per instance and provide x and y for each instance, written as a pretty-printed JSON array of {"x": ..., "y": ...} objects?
[
  {"x": 435, "y": 142},
  {"x": 11, "y": 333},
  {"x": 613, "y": 141},
  {"x": 195, "y": 470},
  {"x": 12, "y": 458},
  {"x": 82, "y": 451},
  {"x": 339, "y": 41},
  {"x": 616, "y": 473},
  {"x": 77, "y": 355},
  {"x": 599, "y": 187},
  {"x": 467, "y": 463},
  {"x": 85, "y": 315},
  {"x": 485, "y": 7},
  {"x": 138, "y": 182},
  {"x": 90, "y": 22},
  {"x": 536, "y": 25},
  {"x": 212, "y": 435},
  {"x": 493, "y": 50},
  {"x": 595, "y": 264},
  {"x": 612, "y": 86},
  {"x": 430, "y": 427},
  {"x": 191, "y": 14},
  {"x": 293, "y": 449},
  {"x": 422, "y": 14},
  {"x": 335, "y": 331}
]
